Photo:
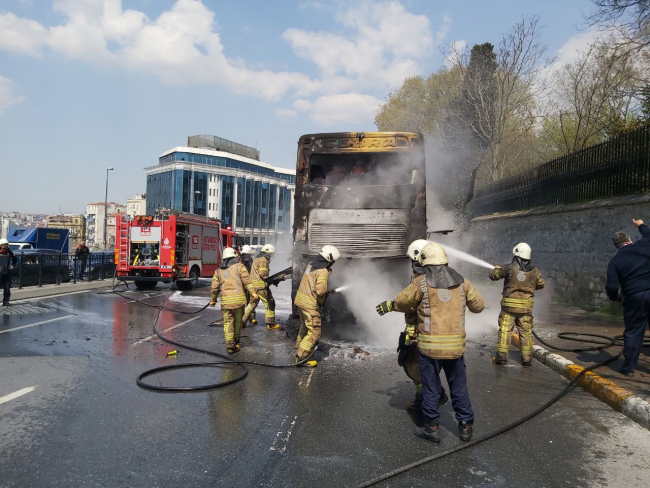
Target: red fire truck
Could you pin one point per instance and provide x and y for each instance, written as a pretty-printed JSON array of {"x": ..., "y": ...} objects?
[{"x": 170, "y": 246}]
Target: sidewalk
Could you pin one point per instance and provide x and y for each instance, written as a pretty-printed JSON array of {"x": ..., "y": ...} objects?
[
  {"x": 49, "y": 290},
  {"x": 561, "y": 318}
]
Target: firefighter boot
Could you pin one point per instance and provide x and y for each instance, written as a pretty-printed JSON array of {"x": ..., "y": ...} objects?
[
  {"x": 465, "y": 430},
  {"x": 253, "y": 319},
  {"x": 308, "y": 364},
  {"x": 499, "y": 361},
  {"x": 233, "y": 350},
  {"x": 428, "y": 432},
  {"x": 272, "y": 326}
]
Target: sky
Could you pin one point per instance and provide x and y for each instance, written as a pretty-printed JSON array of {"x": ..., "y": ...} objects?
[{"x": 91, "y": 84}]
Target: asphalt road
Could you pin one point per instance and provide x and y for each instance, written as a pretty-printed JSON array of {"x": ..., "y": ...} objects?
[{"x": 86, "y": 423}]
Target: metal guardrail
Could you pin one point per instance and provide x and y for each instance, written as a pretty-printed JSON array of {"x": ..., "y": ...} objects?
[
  {"x": 617, "y": 167},
  {"x": 38, "y": 268}
]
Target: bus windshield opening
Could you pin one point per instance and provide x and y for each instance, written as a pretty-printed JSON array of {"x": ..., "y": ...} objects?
[{"x": 361, "y": 169}]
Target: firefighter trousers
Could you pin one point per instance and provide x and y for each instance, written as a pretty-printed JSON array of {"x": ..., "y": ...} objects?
[
  {"x": 524, "y": 323},
  {"x": 232, "y": 321},
  {"x": 269, "y": 304},
  {"x": 309, "y": 333},
  {"x": 412, "y": 367}
]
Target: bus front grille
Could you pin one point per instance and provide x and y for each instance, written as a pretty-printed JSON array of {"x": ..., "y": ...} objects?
[{"x": 360, "y": 240}]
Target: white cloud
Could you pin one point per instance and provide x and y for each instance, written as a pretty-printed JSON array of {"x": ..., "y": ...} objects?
[
  {"x": 384, "y": 46},
  {"x": 7, "y": 96},
  {"x": 348, "y": 108},
  {"x": 377, "y": 46},
  {"x": 302, "y": 105},
  {"x": 285, "y": 114},
  {"x": 571, "y": 49}
]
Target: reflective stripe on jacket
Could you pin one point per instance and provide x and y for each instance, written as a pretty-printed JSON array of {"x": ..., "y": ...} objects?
[
  {"x": 312, "y": 290},
  {"x": 441, "y": 315},
  {"x": 259, "y": 272},
  {"x": 518, "y": 288},
  {"x": 230, "y": 283}
]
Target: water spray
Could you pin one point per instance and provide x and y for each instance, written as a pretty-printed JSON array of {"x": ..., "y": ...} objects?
[{"x": 467, "y": 257}]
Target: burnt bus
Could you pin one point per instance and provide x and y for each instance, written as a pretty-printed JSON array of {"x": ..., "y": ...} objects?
[{"x": 363, "y": 192}]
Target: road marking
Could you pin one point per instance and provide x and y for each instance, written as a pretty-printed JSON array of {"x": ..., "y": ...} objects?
[
  {"x": 166, "y": 330},
  {"x": 16, "y": 394},
  {"x": 280, "y": 443},
  {"x": 34, "y": 325},
  {"x": 308, "y": 378}
]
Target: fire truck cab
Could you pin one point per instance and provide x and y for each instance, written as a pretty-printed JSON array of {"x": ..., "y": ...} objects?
[{"x": 171, "y": 246}]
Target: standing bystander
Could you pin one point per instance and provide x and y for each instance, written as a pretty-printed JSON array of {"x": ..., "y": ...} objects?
[
  {"x": 629, "y": 271},
  {"x": 81, "y": 254},
  {"x": 7, "y": 262}
]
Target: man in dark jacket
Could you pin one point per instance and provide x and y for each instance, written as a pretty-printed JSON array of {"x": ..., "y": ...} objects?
[
  {"x": 81, "y": 253},
  {"x": 629, "y": 271},
  {"x": 7, "y": 263}
]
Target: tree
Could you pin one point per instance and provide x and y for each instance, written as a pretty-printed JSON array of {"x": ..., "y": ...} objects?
[
  {"x": 628, "y": 19},
  {"x": 598, "y": 96}
]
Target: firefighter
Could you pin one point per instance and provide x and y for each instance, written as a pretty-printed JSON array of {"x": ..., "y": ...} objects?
[
  {"x": 521, "y": 281},
  {"x": 310, "y": 298},
  {"x": 246, "y": 258},
  {"x": 231, "y": 280},
  {"x": 408, "y": 356},
  {"x": 259, "y": 273},
  {"x": 440, "y": 298}
]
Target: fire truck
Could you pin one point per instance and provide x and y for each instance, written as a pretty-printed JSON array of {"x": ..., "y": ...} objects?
[{"x": 171, "y": 246}]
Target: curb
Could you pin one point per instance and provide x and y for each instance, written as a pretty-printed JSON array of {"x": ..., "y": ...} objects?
[
  {"x": 51, "y": 290},
  {"x": 617, "y": 397}
]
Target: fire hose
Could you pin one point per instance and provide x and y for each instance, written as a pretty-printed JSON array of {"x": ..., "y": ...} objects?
[
  {"x": 226, "y": 361},
  {"x": 570, "y": 336}
]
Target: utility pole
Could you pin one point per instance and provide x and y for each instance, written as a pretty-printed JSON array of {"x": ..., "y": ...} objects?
[{"x": 106, "y": 208}]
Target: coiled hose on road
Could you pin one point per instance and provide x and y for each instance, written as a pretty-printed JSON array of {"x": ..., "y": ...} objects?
[
  {"x": 570, "y": 336},
  {"x": 227, "y": 361}
]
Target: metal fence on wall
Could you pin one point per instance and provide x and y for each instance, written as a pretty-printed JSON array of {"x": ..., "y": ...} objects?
[{"x": 617, "y": 167}]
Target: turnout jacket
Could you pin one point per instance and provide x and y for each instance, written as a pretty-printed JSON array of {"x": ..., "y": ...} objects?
[
  {"x": 441, "y": 315},
  {"x": 412, "y": 317},
  {"x": 260, "y": 272},
  {"x": 230, "y": 282},
  {"x": 518, "y": 288},
  {"x": 313, "y": 289}
]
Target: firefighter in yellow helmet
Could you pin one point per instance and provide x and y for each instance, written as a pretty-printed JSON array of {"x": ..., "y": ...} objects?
[
  {"x": 440, "y": 298},
  {"x": 231, "y": 280},
  {"x": 522, "y": 279},
  {"x": 259, "y": 274},
  {"x": 246, "y": 258},
  {"x": 407, "y": 351},
  {"x": 310, "y": 298}
]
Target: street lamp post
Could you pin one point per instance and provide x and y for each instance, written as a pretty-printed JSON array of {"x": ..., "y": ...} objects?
[{"x": 106, "y": 209}]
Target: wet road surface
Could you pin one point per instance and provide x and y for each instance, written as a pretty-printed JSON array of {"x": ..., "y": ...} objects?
[{"x": 86, "y": 422}]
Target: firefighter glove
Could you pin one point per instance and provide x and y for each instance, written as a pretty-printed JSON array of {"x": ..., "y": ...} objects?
[
  {"x": 384, "y": 307},
  {"x": 212, "y": 303},
  {"x": 331, "y": 292},
  {"x": 410, "y": 331},
  {"x": 255, "y": 296}
]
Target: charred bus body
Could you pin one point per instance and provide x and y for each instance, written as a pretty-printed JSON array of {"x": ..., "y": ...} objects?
[{"x": 363, "y": 192}]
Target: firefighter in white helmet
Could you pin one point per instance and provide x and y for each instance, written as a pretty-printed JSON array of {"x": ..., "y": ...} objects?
[
  {"x": 440, "y": 297},
  {"x": 310, "y": 298},
  {"x": 246, "y": 258},
  {"x": 259, "y": 273},
  {"x": 407, "y": 350},
  {"x": 231, "y": 280},
  {"x": 522, "y": 279}
]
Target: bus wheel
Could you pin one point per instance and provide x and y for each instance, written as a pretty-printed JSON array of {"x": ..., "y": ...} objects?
[
  {"x": 191, "y": 282},
  {"x": 145, "y": 285}
]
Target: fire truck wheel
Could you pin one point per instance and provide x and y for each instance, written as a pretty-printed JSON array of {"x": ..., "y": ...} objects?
[
  {"x": 191, "y": 282},
  {"x": 145, "y": 285}
]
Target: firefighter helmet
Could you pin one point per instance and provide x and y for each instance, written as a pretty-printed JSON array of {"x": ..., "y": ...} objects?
[
  {"x": 330, "y": 253},
  {"x": 522, "y": 250},
  {"x": 416, "y": 248},
  {"x": 433, "y": 254},
  {"x": 3, "y": 242},
  {"x": 246, "y": 249},
  {"x": 228, "y": 253},
  {"x": 268, "y": 249}
]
